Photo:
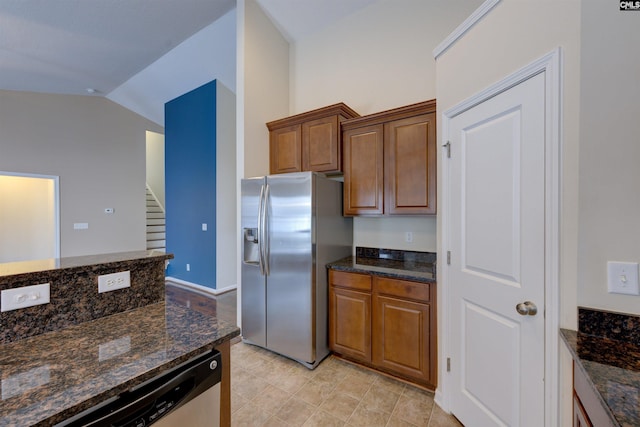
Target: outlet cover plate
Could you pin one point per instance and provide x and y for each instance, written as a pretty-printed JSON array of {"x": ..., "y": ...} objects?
[
  {"x": 623, "y": 278},
  {"x": 114, "y": 281},
  {"x": 27, "y": 296}
]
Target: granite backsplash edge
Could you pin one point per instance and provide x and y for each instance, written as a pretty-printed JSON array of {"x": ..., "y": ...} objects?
[{"x": 74, "y": 296}]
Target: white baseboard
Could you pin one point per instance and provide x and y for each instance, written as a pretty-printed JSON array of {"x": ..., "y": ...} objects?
[{"x": 197, "y": 288}]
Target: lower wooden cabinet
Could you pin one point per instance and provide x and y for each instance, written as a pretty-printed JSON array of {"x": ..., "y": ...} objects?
[
  {"x": 385, "y": 323},
  {"x": 353, "y": 309}
]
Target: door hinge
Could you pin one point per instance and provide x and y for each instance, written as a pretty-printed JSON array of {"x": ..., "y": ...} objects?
[
  {"x": 448, "y": 257},
  {"x": 448, "y": 364},
  {"x": 447, "y": 147}
]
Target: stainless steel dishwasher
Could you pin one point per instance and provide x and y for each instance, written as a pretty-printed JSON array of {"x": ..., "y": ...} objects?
[{"x": 188, "y": 395}]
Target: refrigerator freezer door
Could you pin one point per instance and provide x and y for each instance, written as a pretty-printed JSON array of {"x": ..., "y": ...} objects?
[
  {"x": 254, "y": 317},
  {"x": 291, "y": 282}
]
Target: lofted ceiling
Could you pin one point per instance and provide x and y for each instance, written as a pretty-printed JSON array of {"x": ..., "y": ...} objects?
[{"x": 79, "y": 46}]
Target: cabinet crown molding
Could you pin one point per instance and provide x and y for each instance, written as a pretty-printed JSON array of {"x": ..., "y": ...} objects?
[
  {"x": 390, "y": 115},
  {"x": 340, "y": 108}
]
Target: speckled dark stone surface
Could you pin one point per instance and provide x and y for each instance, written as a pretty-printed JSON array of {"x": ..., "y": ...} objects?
[
  {"x": 617, "y": 326},
  {"x": 74, "y": 296},
  {"x": 612, "y": 366},
  {"x": 397, "y": 264},
  {"x": 53, "y": 376}
]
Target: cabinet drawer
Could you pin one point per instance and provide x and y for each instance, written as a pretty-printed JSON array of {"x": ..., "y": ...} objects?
[
  {"x": 350, "y": 280},
  {"x": 403, "y": 289}
]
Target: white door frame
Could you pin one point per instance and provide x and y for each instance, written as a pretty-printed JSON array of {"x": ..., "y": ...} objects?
[
  {"x": 550, "y": 66},
  {"x": 56, "y": 202}
]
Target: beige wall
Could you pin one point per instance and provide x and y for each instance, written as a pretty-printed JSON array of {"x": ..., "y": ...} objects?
[
  {"x": 376, "y": 59},
  {"x": 155, "y": 164},
  {"x": 27, "y": 218},
  {"x": 514, "y": 34},
  {"x": 97, "y": 148},
  {"x": 263, "y": 86},
  {"x": 226, "y": 212},
  {"x": 609, "y": 152}
]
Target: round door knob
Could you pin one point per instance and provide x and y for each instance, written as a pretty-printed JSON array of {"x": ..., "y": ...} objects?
[{"x": 527, "y": 308}]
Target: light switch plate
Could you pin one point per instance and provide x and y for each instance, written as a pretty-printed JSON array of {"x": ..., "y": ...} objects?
[
  {"x": 623, "y": 278},
  {"x": 27, "y": 296},
  {"x": 114, "y": 281}
]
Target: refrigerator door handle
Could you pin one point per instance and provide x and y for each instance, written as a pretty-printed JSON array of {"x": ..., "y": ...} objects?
[
  {"x": 265, "y": 230},
  {"x": 261, "y": 230}
]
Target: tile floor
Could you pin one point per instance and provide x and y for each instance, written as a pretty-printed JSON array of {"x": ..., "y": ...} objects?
[{"x": 270, "y": 390}]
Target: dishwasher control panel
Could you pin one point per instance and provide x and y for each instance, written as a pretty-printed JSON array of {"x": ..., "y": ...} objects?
[{"x": 147, "y": 403}]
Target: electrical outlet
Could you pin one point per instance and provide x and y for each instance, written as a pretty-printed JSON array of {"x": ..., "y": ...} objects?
[
  {"x": 408, "y": 237},
  {"x": 27, "y": 296},
  {"x": 623, "y": 278},
  {"x": 113, "y": 281}
]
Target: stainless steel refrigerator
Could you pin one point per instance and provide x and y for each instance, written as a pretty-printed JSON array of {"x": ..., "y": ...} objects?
[{"x": 292, "y": 226}]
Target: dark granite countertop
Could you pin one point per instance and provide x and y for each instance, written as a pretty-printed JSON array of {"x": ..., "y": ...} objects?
[
  {"x": 50, "y": 264},
  {"x": 613, "y": 368},
  {"x": 50, "y": 377},
  {"x": 397, "y": 269}
]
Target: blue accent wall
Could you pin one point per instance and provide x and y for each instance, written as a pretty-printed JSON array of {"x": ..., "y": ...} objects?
[{"x": 190, "y": 189}]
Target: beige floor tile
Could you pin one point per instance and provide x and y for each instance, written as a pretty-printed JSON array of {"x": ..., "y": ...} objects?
[
  {"x": 378, "y": 399},
  {"x": 249, "y": 416},
  {"x": 415, "y": 411},
  {"x": 439, "y": 418},
  {"x": 323, "y": 419},
  {"x": 368, "y": 417},
  {"x": 274, "y": 422},
  {"x": 248, "y": 386},
  {"x": 314, "y": 392},
  {"x": 354, "y": 387},
  {"x": 295, "y": 412},
  {"x": 417, "y": 393},
  {"x": 340, "y": 405},
  {"x": 290, "y": 382},
  {"x": 389, "y": 384},
  {"x": 237, "y": 402},
  {"x": 271, "y": 399},
  {"x": 396, "y": 421}
]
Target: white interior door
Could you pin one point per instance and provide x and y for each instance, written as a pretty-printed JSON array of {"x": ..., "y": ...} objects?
[{"x": 497, "y": 244}]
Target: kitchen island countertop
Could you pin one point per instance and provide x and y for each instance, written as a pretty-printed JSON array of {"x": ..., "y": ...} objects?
[{"x": 52, "y": 376}]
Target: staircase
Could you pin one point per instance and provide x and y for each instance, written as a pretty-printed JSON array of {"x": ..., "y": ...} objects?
[{"x": 156, "y": 229}]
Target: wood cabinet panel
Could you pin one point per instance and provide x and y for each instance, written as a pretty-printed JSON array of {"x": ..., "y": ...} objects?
[
  {"x": 285, "y": 150},
  {"x": 321, "y": 150},
  {"x": 350, "y": 323},
  {"x": 388, "y": 324},
  {"x": 410, "y": 165},
  {"x": 401, "y": 337},
  {"x": 403, "y": 289},
  {"x": 355, "y": 281},
  {"x": 309, "y": 141},
  {"x": 390, "y": 162},
  {"x": 363, "y": 170}
]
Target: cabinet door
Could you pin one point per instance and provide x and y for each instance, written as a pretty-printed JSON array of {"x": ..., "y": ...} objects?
[
  {"x": 401, "y": 341},
  {"x": 285, "y": 149},
  {"x": 321, "y": 151},
  {"x": 363, "y": 165},
  {"x": 350, "y": 323},
  {"x": 580, "y": 418},
  {"x": 410, "y": 166}
]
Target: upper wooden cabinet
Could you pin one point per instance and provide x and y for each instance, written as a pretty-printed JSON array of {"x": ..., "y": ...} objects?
[
  {"x": 309, "y": 141},
  {"x": 390, "y": 162}
]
